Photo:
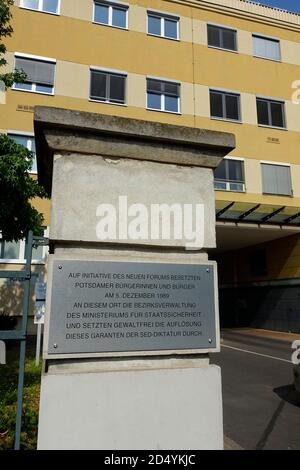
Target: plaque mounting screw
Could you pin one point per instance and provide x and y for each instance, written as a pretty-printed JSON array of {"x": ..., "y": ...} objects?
[
  {"x": 208, "y": 270},
  {"x": 60, "y": 266},
  {"x": 55, "y": 346},
  {"x": 210, "y": 341}
]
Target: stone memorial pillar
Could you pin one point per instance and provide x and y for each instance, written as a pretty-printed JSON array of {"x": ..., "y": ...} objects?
[{"x": 132, "y": 303}]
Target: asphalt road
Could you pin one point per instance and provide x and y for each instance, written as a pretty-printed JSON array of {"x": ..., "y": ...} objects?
[{"x": 261, "y": 407}]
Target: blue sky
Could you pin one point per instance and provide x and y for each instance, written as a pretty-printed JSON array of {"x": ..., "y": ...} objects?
[{"x": 292, "y": 5}]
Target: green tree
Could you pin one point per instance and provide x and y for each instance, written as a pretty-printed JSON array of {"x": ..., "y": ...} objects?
[
  {"x": 17, "y": 189},
  {"x": 17, "y": 76}
]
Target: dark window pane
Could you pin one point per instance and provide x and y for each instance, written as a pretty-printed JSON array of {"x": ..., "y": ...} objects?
[
  {"x": 171, "y": 89},
  {"x": 213, "y": 36},
  {"x": 155, "y": 86},
  {"x": 277, "y": 114},
  {"x": 117, "y": 88},
  {"x": 153, "y": 101},
  {"x": 232, "y": 107},
  {"x": 262, "y": 112},
  {"x": 228, "y": 39},
  {"x": 235, "y": 170},
  {"x": 171, "y": 28},
  {"x": 154, "y": 25},
  {"x": 119, "y": 17},
  {"x": 220, "y": 171},
  {"x": 98, "y": 85},
  {"x": 101, "y": 14},
  {"x": 171, "y": 104},
  {"x": 216, "y": 106}
]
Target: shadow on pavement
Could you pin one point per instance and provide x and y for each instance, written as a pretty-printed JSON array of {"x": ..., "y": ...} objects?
[
  {"x": 269, "y": 429},
  {"x": 288, "y": 394}
]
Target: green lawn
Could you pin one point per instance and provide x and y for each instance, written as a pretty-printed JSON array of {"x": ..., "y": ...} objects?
[{"x": 8, "y": 398}]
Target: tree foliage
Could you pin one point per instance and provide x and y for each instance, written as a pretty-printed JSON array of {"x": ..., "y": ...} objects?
[
  {"x": 6, "y": 30},
  {"x": 17, "y": 189}
]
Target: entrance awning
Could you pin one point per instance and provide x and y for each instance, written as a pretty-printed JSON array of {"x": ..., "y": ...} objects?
[{"x": 257, "y": 213}]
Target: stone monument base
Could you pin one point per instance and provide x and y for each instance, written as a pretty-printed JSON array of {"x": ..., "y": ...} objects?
[
  {"x": 155, "y": 404},
  {"x": 151, "y": 387}
]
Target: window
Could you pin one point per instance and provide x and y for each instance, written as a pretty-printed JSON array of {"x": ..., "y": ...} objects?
[
  {"x": 266, "y": 48},
  {"x": 229, "y": 175},
  {"x": 47, "y": 6},
  {"x": 163, "y": 95},
  {"x": 14, "y": 252},
  {"x": 276, "y": 179},
  {"x": 111, "y": 14},
  {"x": 40, "y": 75},
  {"x": 163, "y": 25},
  {"x": 108, "y": 87},
  {"x": 29, "y": 143},
  {"x": 222, "y": 38},
  {"x": 225, "y": 105},
  {"x": 270, "y": 112}
]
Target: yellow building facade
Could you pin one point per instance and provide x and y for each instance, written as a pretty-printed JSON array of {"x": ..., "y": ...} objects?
[{"x": 226, "y": 65}]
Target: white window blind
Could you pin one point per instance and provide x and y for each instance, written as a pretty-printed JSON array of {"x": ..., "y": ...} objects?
[
  {"x": 37, "y": 71},
  {"x": 276, "y": 179},
  {"x": 267, "y": 48}
]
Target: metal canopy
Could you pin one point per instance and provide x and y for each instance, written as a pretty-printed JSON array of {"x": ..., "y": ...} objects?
[{"x": 257, "y": 213}]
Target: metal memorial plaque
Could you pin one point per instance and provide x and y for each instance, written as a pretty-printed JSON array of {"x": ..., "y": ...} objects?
[{"x": 103, "y": 307}]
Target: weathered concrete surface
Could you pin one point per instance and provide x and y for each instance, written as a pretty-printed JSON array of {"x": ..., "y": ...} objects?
[
  {"x": 155, "y": 409},
  {"x": 166, "y": 402},
  {"x": 100, "y": 180},
  {"x": 62, "y": 130}
]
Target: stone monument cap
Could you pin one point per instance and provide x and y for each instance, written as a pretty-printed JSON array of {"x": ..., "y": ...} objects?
[{"x": 60, "y": 131}]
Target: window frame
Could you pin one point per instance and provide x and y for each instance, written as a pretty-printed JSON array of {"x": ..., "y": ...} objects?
[
  {"x": 163, "y": 16},
  {"x": 29, "y": 135},
  {"x": 33, "y": 84},
  {"x": 163, "y": 96},
  {"x": 270, "y": 100},
  {"x": 111, "y": 4},
  {"x": 228, "y": 183},
  {"x": 223, "y": 27},
  {"x": 21, "y": 259},
  {"x": 276, "y": 164},
  {"x": 40, "y": 10},
  {"x": 224, "y": 93},
  {"x": 267, "y": 38},
  {"x": 109, "y": 72}
]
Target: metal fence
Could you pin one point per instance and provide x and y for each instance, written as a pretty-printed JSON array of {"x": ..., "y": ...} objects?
[{"x": 25, "y": 275}]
